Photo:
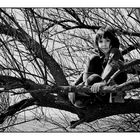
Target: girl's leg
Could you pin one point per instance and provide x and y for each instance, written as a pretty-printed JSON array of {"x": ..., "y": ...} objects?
[{"x": 94, "y": 66}]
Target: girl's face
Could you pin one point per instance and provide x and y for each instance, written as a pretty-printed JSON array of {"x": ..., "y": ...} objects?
[{"x": 104, "y": 44}]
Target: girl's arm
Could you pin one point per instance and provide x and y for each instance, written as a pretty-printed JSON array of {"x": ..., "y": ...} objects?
[{"x": 115, "y": 61}]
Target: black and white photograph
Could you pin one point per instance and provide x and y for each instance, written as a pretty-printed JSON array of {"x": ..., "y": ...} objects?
[{"x": 69, "y": 69}]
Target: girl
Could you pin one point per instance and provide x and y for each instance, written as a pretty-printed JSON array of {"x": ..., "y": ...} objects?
[{"x": 101, "y": 67}]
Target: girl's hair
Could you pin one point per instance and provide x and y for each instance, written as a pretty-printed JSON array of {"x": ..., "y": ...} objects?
[{"x": 107, "y": 32}]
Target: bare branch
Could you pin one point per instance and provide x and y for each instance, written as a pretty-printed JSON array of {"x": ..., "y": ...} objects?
[
  {"x": 15, "y": 108},
  {"x": 41, "y": 53},
  {"x": 130, "y": 48}
]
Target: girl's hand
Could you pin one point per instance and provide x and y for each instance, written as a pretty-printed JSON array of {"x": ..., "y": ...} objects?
[{"x": 97, "y": 86}]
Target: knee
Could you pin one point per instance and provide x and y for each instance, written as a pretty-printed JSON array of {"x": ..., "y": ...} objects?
[{"x": 94, "y": 78}]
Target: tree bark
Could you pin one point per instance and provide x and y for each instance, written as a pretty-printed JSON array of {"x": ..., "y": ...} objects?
[{"x": 45, "y": 97}]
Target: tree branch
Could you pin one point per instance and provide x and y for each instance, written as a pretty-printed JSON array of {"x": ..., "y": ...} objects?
[
  {"x": 48, "y": 96},
  {"x": 15, "y": 108},
  {"x": 130, "y": 48},
  {"x": 45, "y": 97},
  {"x": 40, "y": 53}
]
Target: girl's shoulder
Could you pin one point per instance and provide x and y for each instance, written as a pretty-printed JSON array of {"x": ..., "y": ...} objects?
[
  {"x": 94, "y": 56},
  {"x": 115, "y": 53}
]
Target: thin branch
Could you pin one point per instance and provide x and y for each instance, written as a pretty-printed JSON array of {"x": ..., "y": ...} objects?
[{"x": 130, "y": 48}]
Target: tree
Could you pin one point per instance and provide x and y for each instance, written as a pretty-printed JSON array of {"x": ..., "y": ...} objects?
[{"x": 44, "y": 49}]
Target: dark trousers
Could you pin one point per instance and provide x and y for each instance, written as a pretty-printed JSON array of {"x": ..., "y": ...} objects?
[{"x": 93, "y": 75}]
